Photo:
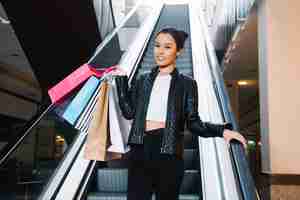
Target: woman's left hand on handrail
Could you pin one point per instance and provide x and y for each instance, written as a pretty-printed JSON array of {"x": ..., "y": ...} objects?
[
  {"x": 229, "y": 135},
  {"x": 119, "y": 71}
]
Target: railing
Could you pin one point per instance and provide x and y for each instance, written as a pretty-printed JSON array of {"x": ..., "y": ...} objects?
[
  {"x": 41, "y": 159},
  {"x": 243, "y": 172},
  {"x": 217, "y": 171},
  {"x": 12, "y": 145},
  {"x": 80, "y": 174},
  {"x": 222, "y": 17}
]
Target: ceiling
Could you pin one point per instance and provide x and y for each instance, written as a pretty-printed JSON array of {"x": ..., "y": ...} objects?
[
  {"x": 241, "y": 57},
  {"x": 41, "y": 43},
  {"x": 15, "y": 72},
  {"x": 46, "y": 40},
  {"x": 11, "y": 52}
]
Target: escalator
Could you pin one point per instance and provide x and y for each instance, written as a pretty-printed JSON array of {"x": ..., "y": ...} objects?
[{"x": 69, "y": 176}]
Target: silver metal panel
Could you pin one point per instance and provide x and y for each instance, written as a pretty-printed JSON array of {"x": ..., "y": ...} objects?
[
  {"x": 70, "y": 185},
  {"x": 217, "y": 173},
  {"x": 72, "y": 182},
  {"x": 60, "y": 172},
  {"x": 133, "y": 54},
  {"x": 104, "y": 17}
]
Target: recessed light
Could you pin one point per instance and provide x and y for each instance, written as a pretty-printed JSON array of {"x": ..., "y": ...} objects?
[
  {"x": 4, "y": 21},
  {"x": 242, "y": 83}
]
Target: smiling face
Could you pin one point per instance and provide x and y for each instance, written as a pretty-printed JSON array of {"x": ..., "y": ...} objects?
[{"x": 165, "y": 50}]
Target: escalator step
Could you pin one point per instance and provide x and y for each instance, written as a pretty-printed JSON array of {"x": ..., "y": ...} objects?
[
  {"x": 191, "y": 182},
  {"x": 122, "y": 196},
  {"x": 189, "y": 197},
  {"x": 112, "y": 180},
  {"x": 106, "y": 196},
  {"x": 115, "y": 181},
  {"x": 191, "y": 159}
]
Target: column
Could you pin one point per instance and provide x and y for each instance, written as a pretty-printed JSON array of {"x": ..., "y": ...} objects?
[{"x": 279, "y": 79}]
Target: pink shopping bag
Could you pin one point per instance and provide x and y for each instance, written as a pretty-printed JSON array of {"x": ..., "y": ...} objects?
[{"x": 73, "y": 80}]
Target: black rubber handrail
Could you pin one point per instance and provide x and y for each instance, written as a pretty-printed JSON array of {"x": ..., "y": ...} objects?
[{"x": 242, "y": 170}]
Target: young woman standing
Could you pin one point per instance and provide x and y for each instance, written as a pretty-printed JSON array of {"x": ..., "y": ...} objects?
[{"x": 162, "y": 103}]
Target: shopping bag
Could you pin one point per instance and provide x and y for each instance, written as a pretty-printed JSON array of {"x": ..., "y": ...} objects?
[
  {"x": 98, "y": 135},
  {"x": 74, "y": 79},
  {"x": 119, "y": 127},
  {"x": 83, "y": 121},
  {"x": 96, "y": 143},
  {"x": 80, "y": 101},
  {"x": 61, "y": 106},
  {"x": 86, "y": 116},
  {"x": 70, "y": 82}
]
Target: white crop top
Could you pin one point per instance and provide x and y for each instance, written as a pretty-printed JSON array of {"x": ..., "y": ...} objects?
[{"x": 157, "y": 109}]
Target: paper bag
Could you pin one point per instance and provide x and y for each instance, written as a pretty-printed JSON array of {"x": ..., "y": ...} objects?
[
  {"x": 74, "y": 79},
  {"x": 96, "y": 143}
]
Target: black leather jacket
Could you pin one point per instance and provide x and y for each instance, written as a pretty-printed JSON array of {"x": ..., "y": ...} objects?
[{"x": 182, "y": 110}]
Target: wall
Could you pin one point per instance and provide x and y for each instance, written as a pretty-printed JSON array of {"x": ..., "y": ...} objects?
[{"x": 279, "y": 48}]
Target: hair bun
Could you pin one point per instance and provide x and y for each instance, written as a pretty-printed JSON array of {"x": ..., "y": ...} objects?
[{"x": 183, "y": 34}]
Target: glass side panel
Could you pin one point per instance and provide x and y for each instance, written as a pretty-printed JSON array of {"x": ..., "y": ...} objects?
[
  {"x": 28, "y": 169},
  {"x": 120, "y": 42}
]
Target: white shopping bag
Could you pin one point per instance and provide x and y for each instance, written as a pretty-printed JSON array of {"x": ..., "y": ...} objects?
[{"x": 119, "y": 127}]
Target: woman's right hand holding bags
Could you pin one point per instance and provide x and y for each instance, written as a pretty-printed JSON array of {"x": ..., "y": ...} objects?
[{"x": 119, "y": 71}]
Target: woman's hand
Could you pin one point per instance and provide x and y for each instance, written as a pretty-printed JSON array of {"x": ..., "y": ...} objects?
[
  {"x": 119, "y": 71},
  {"x": 229, "y": 135}
]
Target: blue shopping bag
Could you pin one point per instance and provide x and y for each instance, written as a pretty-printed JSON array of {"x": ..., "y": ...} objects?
[{"x": 80, "y": 101}]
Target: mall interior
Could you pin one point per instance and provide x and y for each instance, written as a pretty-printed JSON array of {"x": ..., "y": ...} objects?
[{"x": 242, "y": 54}]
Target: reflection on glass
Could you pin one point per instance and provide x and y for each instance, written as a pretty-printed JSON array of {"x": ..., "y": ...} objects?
[
  {"x": 120, "y": 42},
  {"x": 30, "y": 166},
  {"x": 121, "y": 8}
]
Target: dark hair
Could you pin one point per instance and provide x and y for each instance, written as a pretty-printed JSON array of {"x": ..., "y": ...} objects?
[{"x": 178, "y": 35}]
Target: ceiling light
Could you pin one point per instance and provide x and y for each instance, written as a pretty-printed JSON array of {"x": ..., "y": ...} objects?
[
  {"x": 4, "y": 21},
  {"x": 242, "y": 83},
  {"x": 60, "y": 140}
]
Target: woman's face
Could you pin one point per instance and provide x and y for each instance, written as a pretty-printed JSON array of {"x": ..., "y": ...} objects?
[{"x": 165, "y": 50}]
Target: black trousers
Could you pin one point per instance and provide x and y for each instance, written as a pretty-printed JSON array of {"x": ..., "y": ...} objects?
[{"x": 150, "y": 171}]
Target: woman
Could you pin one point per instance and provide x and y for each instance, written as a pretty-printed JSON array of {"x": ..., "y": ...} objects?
[{"x": 161, "y": 103}]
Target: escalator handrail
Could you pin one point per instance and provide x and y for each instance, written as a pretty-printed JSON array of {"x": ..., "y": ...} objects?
[
  {"x": 245, "y": 178},
  {"x": 216, "y": 166},
  {"x": 82, "y": 192},
  {"x": 14, "y": 143},
  {"x": 108, "y": 38},
  {"x": 82, "y": 188}
]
